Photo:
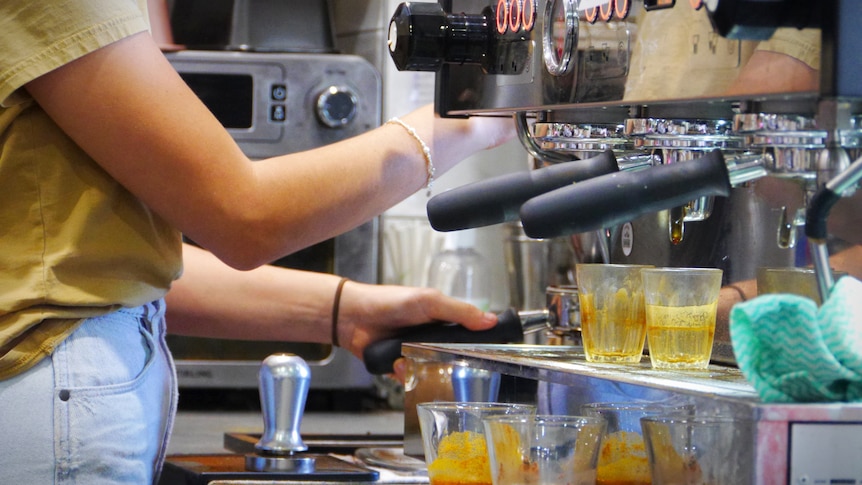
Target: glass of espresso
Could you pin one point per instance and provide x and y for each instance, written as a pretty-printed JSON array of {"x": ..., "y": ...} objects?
[
  {"x": 681, "y": 305},
  {"x": 611, "y": 298}
]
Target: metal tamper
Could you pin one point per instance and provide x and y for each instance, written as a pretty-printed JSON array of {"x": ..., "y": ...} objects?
[{"x": 284, "y": 380}]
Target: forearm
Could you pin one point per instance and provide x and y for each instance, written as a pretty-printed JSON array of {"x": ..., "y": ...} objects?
[
  {"x": 272, "y": 303},
  {"x": 848, "y": 261},
  {"x": 325, "y": 192},
  {"x": 211, "y": 299}
]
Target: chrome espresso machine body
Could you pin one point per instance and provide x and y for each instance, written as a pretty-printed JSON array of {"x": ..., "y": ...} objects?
[
  {"x": 654, "y": 83},
  {"x": 679, "y": 155}
]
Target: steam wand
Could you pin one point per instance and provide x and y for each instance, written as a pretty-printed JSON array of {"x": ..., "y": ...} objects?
[{"x": 815, "y": 222}]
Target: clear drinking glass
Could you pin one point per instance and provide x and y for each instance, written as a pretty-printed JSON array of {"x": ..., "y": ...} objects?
[
  {"x": 681, "y": 305},
  {"x": 623, "y": 459},
  {"x": 711, "y": 450},
  {"x": 453, "y": 437},
  {"x": 795, "y": 281},
  {"x": 613, "y": 323},
  {"x": 544, "y": 450}
]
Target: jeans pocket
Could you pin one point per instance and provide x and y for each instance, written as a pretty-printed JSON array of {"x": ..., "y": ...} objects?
[
  {"x": 110, "y": 414},
  {"x": 106, "y": 354}
]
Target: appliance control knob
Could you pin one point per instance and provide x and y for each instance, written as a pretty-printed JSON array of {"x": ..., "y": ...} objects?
[
  {"x": 336, "y": 106},
  {"x": 758, "y": 19},
  {"x": 423, "y": 37},
  {"x": 284, "y": 380}
]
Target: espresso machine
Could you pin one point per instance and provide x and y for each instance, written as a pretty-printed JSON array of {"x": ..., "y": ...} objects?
[{"x": 713, "y": 133}]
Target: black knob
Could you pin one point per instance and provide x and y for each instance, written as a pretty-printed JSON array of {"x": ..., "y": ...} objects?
[
  {"x": 337, "y": 106},
  {"x": 422, "y": 37},
  {"x": 758, "y": 19}
]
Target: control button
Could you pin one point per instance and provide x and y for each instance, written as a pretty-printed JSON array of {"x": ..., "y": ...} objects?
[
  {"x": 278, "y": 92},
  {"x": 336, "y": 106},
  {"x": 277, "y": 113}
]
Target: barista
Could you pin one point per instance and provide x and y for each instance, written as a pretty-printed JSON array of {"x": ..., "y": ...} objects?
[
  {"x": 788, "y": 62},
  {"x": 106, "y": 157}
]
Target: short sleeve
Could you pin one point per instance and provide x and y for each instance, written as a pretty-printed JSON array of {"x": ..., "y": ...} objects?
[
  {"x": 803, "y": 45},
  {"x": 38, "y": 36}
]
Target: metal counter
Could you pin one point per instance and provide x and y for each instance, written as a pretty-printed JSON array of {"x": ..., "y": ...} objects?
[{"x": 790, "y": 443}]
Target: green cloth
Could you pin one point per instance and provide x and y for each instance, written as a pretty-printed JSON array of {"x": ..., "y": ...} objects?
[{"x": 791, "y": 351}]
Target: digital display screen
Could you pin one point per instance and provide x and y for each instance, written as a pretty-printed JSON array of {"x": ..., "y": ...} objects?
[{"x": 230, "y": 97}]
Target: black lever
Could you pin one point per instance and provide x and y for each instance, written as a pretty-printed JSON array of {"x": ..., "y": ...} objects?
[
  {"x": 379, "y": 356},
  {"x": 615, "y": 198},
  {"x": 498, "y": 199}
]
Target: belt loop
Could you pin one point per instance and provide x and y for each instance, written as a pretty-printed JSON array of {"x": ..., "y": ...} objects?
[{"x": 155, "y": 311}]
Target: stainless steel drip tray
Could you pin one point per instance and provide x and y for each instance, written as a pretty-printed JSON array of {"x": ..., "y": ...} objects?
[
  {"x": 567, "y": 365},
  {"x": 204, "y": 469},
  {"x": 201, "y": 469}
]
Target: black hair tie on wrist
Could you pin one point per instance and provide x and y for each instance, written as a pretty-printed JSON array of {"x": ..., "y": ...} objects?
[
  {"x": 739, "y": 290},
  {"x": 335, "y": 303}
]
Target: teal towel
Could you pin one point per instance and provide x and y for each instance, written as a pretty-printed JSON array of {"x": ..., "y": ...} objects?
[{"x": 791, "y": 351}]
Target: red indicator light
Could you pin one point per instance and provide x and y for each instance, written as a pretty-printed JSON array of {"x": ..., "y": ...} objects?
[
  {"x": 529, "y": 14},
  {"x": 622, "y": 7},
  {"x": 502, "y": 16},
  {"x": 515, "y": 15},
  {"x": 606, "y": 11}
]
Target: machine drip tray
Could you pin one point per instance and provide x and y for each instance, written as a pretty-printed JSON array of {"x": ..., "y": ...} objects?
[{"x": 203, "y": 469}]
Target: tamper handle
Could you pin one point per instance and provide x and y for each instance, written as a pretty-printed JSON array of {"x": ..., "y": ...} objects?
[{"x": 284, "y": 380}]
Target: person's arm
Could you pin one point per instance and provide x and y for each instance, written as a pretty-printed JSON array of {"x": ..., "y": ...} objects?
[
  {"x": 848, "y": 261},
  {"x": 774, "y": 72},
  {"x": 127, "y": 108},
  {"x": 278, "y": 304}
]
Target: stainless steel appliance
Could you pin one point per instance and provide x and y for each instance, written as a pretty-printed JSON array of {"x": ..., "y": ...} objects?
[
  {"x": 274, "y": 103},
  {"x": 709, "y": 170},
  {"x": 653, "y": 83},
  {"x": 254, "y": 25}
]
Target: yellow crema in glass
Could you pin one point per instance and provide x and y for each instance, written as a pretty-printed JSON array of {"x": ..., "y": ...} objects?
[
  {"x": 681, "y": 337},
  {"x": 623, "y": 460},
  {"x": 613, "y": 330},
  {"x": 462, "y": 459}
]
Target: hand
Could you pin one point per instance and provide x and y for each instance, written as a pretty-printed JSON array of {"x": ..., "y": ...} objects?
[
  {"x": 368, "y": 313},
  {"x": 495, "y": 130}
]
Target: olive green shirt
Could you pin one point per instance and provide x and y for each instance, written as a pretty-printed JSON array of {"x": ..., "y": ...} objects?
[
  {"x": 676, "y": 54},
  {"x": 73, "y": 242}
]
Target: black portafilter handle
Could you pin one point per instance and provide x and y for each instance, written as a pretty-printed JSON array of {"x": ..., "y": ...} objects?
[
  {"x": 616, "y": 198},
  {"x": 496, "y": 200},
  {"x": 381, "y": 355}
]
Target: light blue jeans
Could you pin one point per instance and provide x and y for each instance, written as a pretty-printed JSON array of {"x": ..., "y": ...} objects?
[{"x": 98, "y": 411}]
